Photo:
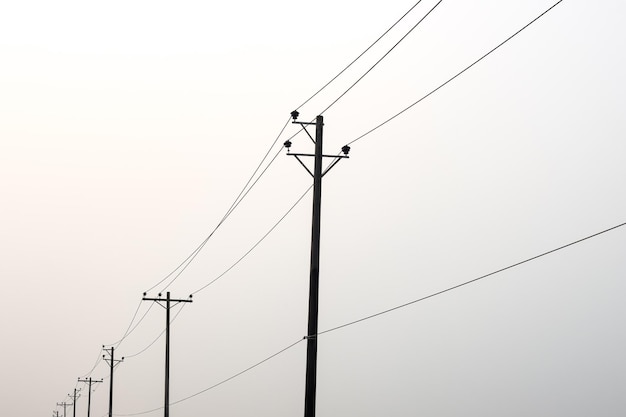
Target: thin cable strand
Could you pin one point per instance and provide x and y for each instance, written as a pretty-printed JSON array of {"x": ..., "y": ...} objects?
[
  {"x": 383, "y": 57},
  {"x": 219, "y": 383},
  {"x": 455, "y": 76},
  {"x": 159, "y": 336},
  {"x": 470, "y": 281},
  {"x": 235, "y": 203},
  {"x": 360, "y": 55},
  {"x": 256, "y": 244}
]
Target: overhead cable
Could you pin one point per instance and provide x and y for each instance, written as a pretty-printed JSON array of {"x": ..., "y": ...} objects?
[
  {"x": 455, "y": 76},
  {"x": 383, "y": 57},
  {"x": 454, "y": 287},
  {"x": 360, "y": 55}
]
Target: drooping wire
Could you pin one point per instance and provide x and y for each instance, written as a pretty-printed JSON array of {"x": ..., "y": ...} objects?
[
  {"x": 230, "y": 210},
  {"x": 248, "y": 369},
  {"x": 136, "y": 325},
  {"x": 127, "y": 332},
  {"x": 159, "y": 336},
  {"x": 98, "y": 359},
  {"x": 360, "y": 55},
  {"x": 384, "y": 312},
  {"x": 256, "y": 244},
  {"x": 383, "y": 57},
  {"x": 455, "y": 76},
  {"x": 454, "y": 287}
]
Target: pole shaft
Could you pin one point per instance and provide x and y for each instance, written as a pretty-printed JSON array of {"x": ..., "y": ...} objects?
[
  {"x": 311, "y": 351},
  {"x": 111, "y": 382},
  {"x": 74, "y": 405},
  {"x": 167, "y": 356},
  {"x": 89, "y": 398}
]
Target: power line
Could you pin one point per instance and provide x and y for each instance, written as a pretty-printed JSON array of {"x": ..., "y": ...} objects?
[
  {"x": 360, "y": 55},
  {"x": 384, "y": 312},
  {"x": 383, "y": 57},
  {"x": 256, "y": 244},
  {"x": 456, "y": 75},
  {"x": 232, "y": 207},
  {"x": 95, "y": 364},
  {"x": 471, "y": 280},
  {"x": 158, "y": 337},
  {"x": 219, "y": 383}
]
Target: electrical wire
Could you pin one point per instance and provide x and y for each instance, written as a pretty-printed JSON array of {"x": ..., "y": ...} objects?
[
  {"x": 127, "y": 332},
  {"x": 98, "y": 359},
  {"x": 381, "y": 313},
  {"x": 256, "y": 244},
  {"x": 360, "y": 55},
  {"x": 159, "y": 336},
  {"x": 219, "y": 383},
  {"x": 136, "y": 325},
  {"x": 383, "y": 57},
  {"x": 454, "y": 287},
  {"x": 456, "y": 75},
  {"x": 230, "y": 210}
]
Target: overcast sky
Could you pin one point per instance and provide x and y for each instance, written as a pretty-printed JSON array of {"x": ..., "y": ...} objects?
[{"x": 128, "y": 128}]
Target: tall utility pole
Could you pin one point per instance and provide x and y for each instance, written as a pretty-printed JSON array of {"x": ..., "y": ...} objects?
[
  {"x": 64, "y": 404},
  {"x": 317, "y": 174},
  {"x": 89, "y": 381},
  {"x": 74, "y": 398},
  {"x": 168, "y": 305},
  {"x": 112, "y": 362}
]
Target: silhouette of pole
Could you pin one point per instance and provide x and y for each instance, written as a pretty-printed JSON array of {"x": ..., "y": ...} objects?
[
  {"x": 74, "y": 398},
  {"x": 89, "y": 381},
  {"x": 112, "y": 362},
  {"x": 168, "y": 305},
  {"x": 64, "y": 404},
  {"x": 317, "y": 174}
]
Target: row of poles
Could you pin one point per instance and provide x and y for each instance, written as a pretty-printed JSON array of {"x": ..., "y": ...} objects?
[{"x": 311, "y": 355}]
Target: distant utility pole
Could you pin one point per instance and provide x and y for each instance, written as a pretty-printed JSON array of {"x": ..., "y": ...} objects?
[
  {"x": 64, "y": 404},
  {"x": 55, "y": 413},
  {"x": 112, "y": 363},
  {"x": 74, "y": 398},
  {"x": 168, "y": 305},
  {"x": 317, "y": 174},
  {"x": 89, "y": 381}
]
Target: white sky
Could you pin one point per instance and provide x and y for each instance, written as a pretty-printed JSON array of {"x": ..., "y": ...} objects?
[{"x": 128, "y": 128}]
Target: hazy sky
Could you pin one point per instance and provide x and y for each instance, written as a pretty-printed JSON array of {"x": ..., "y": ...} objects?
[{"x": 127, "y": 129}]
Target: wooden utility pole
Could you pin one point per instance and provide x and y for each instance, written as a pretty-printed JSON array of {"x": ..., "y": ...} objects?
[
  {"x": 168, "y": 305},
  {"x": 74, "y": 398},
  {"x": 89, "y": 381},
  {"x": 317, "y": 174},
  {"x": 112, "y": 363}
]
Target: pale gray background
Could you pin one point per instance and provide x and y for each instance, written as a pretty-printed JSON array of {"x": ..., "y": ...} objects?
[{"x": 128, "y": 127}]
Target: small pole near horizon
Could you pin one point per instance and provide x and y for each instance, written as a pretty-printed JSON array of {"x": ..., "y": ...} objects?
[
  {"x": 64, "y": 404},
  {"x": 74, "y": 398}
]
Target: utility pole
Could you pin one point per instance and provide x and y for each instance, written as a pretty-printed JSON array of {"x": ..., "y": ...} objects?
[
  {"x": 55, "y": 413},
  {"x": 168, "y": 305},
  {"x": 74, "y": 398},
  {"x": 89, "y": 381},
  {"x": 112, "y": 363},
  {"x": 317, "y": 174},
  {"x": 64, "y": 404}
]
